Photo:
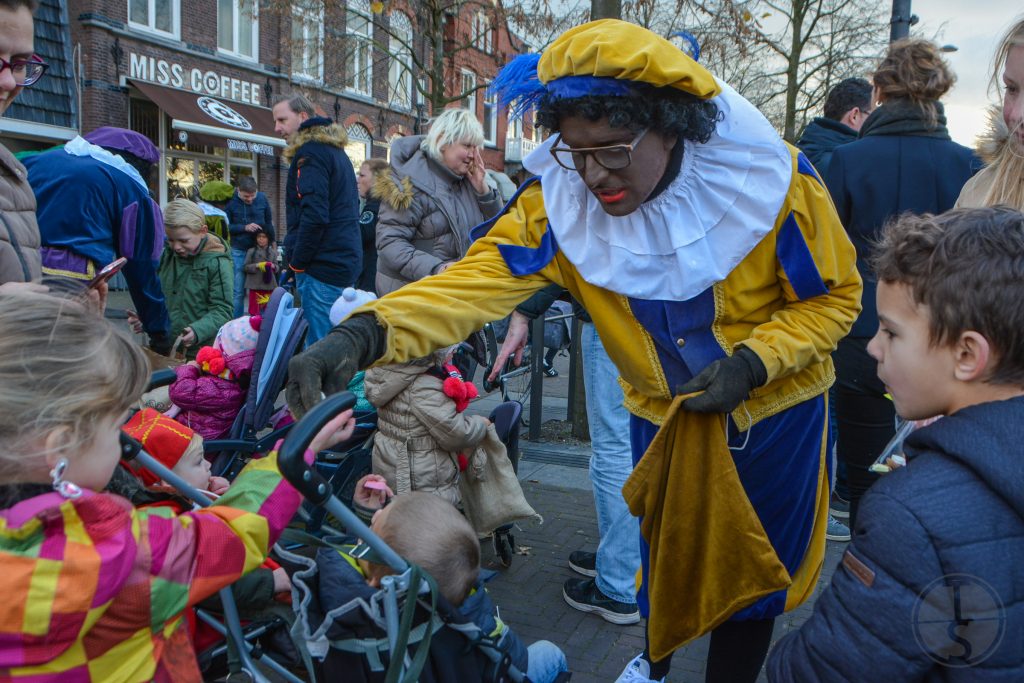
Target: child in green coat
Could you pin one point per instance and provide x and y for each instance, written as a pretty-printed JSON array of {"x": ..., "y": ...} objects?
[{"x": 196, "y": 275}]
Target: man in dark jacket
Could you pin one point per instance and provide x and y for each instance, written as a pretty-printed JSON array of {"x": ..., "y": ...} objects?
[
  {"x": 846, "y": 108},
  {"x": 248, "y": 214},
  {"x": 932, "y": 587},
  {"x": 322, "y": 205}
]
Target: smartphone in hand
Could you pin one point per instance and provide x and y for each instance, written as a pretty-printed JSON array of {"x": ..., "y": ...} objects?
[{"x": 106, "y": 272}]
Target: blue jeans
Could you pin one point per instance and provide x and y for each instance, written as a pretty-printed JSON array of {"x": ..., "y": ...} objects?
[
  {"x": 238, "y": 259},
  {"x": 618, "y": 552},
  {"x": 317, "y": 299},
  {"x": 545, "y": 662}
]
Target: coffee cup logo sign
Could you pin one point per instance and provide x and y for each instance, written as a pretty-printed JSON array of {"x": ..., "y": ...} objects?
[{"x": 222, "y": 113}]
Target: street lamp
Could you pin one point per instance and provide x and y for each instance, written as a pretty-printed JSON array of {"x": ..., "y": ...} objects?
[{"x": 949, "y": 48}]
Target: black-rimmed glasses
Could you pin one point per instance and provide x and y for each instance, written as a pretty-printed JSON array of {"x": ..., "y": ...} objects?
[
  {"x": 25, "y": 71},
  {"x": 611, "y": 157}
]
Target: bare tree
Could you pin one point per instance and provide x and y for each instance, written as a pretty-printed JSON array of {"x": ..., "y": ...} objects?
[
  {"x": 419, "y": 44},
  {"x": 783, "y": 56},
  {"x": 812, "y": 45}
]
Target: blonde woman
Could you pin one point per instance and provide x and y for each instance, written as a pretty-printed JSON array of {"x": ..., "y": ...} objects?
[
  {"x": 1002, "y": 146},
  {"x": 196, "y": 275},
  {"x": 437, "y": 192}
]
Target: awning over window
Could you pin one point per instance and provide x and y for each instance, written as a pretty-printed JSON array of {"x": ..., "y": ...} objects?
[{"x": 209, "y": 120}]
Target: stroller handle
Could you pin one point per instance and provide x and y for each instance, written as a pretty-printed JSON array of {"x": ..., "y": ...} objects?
[{"x": 290, "y": 458}]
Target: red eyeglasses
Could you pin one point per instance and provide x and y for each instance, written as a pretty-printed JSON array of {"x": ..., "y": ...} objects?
[{"x": 25, "y": 71}]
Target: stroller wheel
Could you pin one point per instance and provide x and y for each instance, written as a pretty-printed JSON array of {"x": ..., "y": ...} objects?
[{"x": 504, "y": 546}]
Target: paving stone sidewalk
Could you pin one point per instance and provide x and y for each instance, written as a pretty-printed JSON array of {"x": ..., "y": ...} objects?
[{"x": 529, "y": 593}]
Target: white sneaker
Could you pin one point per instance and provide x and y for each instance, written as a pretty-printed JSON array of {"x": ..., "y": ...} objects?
[{"x": 637, "y": 671}]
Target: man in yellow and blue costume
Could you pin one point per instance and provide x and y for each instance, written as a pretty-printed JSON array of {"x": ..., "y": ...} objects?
[{"x": 712, "y": 262}]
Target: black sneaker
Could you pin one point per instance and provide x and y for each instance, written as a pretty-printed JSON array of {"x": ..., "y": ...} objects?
[
  {"x": 583, "y": 594},
  {"x": 549, "y": 370},
  {"x": 582, "y": 562}
]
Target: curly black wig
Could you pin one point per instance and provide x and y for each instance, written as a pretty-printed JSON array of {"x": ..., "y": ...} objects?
[{"x": 668, "y": 111}]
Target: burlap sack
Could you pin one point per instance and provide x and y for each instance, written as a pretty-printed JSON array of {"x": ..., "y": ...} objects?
[{"x": 491, "y": 494}]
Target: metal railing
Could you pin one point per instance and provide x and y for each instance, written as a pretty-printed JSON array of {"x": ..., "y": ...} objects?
[{"x": 517, "y": 149}]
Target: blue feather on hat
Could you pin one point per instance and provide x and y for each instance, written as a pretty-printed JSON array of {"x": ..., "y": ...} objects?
[{"x": 517, "y": 85}]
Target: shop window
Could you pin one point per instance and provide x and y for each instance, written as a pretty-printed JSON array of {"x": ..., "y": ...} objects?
[
  {"x": 469, "y": 87},
  {"x": 161, "y": 16},
  {"x": 491, "y": 118},
  {"x": 483, "y": 35},
  {"x": 400, "y": 63},
  {"x": 359, "y": 48},
  {"x": 307, "y": 40},
  {"x": 238, "y": 28},
  {"x": 358, "y": 147}
]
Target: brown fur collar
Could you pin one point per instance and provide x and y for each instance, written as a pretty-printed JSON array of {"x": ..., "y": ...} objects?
[
  {"x": 991, "y": 141},
  {"x": 332, "y": 134},
  {"x": 386, "y": 188}
]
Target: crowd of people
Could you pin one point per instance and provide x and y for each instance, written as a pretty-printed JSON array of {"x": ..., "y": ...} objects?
[{"x": 758, "y": 315}]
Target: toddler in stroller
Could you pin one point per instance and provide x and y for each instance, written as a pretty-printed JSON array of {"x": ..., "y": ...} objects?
[
  {"x": 337, "y": 594},
  {"x": 181, "y": 450},
  {"x": 210, "y": 390}
]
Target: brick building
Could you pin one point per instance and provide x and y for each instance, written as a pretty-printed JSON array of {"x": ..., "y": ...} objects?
[{"x": 198, "y": 77}]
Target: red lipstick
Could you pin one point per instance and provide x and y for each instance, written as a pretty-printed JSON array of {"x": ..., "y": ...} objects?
[{"x": 611, "y": 196}]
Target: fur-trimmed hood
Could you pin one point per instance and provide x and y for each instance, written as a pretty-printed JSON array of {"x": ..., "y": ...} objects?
[
  {"x": 316, "y": 129},
  {"x": 990, "y": 142},
  {"x": 411, "y": 168}
]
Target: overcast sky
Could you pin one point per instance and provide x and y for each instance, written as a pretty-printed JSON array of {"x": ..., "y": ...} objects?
[{"x": 974, "y": 26}]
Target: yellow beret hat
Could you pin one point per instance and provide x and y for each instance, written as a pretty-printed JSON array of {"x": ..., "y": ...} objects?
[{"x": 611, "y": 48}]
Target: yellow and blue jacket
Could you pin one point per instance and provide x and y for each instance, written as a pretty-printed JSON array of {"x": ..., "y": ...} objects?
[{"x": 790, "y": 301}]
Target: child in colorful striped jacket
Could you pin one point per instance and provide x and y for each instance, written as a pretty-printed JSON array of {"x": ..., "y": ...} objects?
[{"x": 95, "y": 589}]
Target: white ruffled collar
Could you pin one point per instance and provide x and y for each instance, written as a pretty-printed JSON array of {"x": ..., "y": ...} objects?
[
  {"x": 80, "y": 147},
  {"x": 726, "y": 198}
]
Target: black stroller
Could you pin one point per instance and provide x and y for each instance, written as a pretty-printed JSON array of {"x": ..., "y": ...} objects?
[{"x": 404, "y": 631}]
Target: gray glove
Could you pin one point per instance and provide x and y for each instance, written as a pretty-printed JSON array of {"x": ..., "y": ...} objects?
[
  {"x": 726, "y": 383},
  {"x": 328, "y": 365}
]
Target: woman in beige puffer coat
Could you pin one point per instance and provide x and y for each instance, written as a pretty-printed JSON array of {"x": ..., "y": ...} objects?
[{"x": 419, "y": 431}]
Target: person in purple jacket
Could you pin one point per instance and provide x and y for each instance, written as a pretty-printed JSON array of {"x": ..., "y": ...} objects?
[{"x": 94, "y": 206}]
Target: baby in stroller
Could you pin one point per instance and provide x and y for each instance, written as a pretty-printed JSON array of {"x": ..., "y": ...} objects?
[
  {"x": 211, "y": 390},
  {"x": 181, "y": 450},
  {"x": 431, "y": 533}
]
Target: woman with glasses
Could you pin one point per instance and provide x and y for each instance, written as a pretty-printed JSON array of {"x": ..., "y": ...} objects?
[
  {"x": 19, "y": 68},
  {"x": 711, "y": 260}
]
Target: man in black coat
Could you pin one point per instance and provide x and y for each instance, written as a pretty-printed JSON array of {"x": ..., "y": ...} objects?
[
  {"x": 322, "y": 207},
  {"x": 846, "y": 108},
  {"x": 248, "y": 214}
]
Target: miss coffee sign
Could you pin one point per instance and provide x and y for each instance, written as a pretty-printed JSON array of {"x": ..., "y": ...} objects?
[{"x": 174, "y": 75}]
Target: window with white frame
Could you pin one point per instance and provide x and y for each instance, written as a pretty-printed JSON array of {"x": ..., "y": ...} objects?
[
  {"x": 359, "y": 48},
  {"x": 491, "y": 118},
  {"x": 469, "y": 88},
  {"x": 359, "y": 143},
  {"x": 483, "y": 36},
  {"x": 308, "y": 39},
  {"x": 238, "y": 28},
  {"x": 514, "y": 128},
  {"x": 400, "y": 62},
  {"x": 161, "y": 16}
]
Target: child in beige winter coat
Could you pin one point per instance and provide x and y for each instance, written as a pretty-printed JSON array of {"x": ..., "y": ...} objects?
[{"x": 423, "y": 436}]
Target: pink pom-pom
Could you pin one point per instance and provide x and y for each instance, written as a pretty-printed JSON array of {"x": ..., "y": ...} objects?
[{"x": 256, "y": 321}]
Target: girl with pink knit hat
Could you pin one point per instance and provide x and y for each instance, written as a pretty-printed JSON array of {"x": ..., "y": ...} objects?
[{"x": 211, "y": 389}]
